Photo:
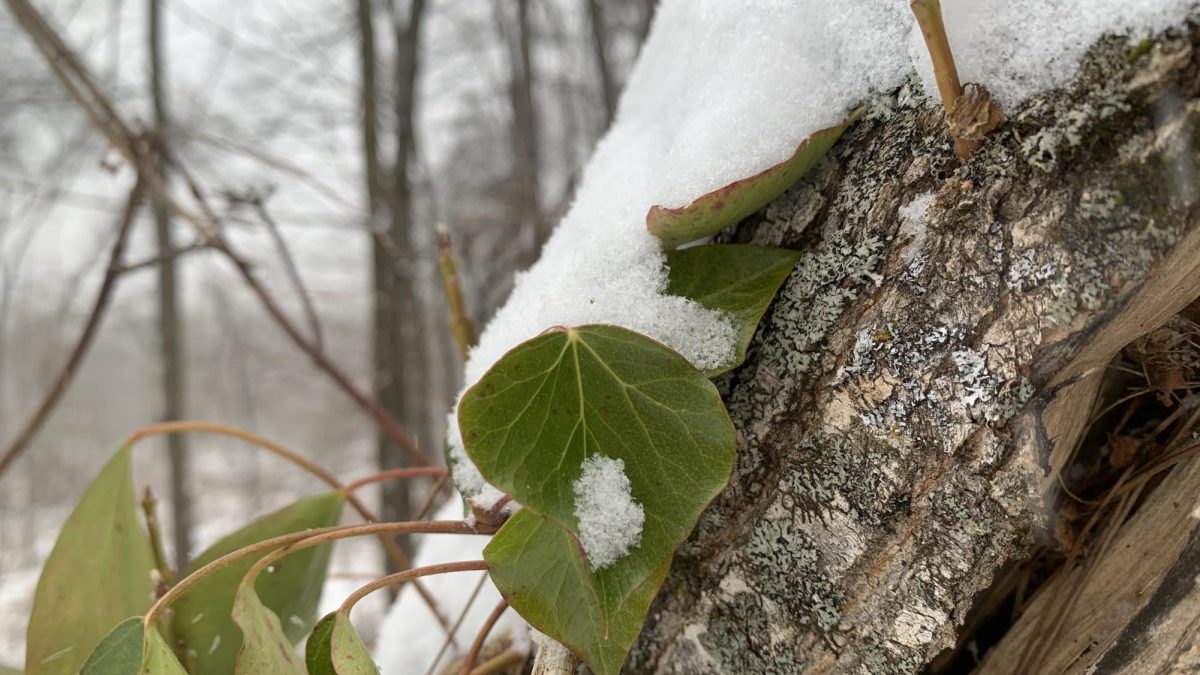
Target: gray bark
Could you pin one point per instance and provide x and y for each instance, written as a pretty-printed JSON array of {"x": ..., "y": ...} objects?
[{"x": 915, "y": 382}]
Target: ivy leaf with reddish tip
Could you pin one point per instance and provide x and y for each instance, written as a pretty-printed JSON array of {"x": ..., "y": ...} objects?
[
  {"x": 529, "y": 424},
  {"x": 713, "y": 212},
  {"x": 336, "y": 649},
  {"x": 737, "y": 279},
  {"x": 98, "y": 574}
]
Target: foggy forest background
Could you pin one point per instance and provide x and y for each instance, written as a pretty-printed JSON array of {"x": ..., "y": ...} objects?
[{"x": 484, "y": 113}]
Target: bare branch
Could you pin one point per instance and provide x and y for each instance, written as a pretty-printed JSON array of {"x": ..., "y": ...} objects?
[
  {"x": 35, "y": 421},
  {"x": 75, "y": 78},
  {"x": 293, "y": 272}
]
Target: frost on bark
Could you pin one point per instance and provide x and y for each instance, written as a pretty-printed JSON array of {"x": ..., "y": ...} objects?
[{"x": 918, "y": 376}]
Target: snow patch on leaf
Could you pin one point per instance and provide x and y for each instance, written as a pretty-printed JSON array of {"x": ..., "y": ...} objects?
[{"x": 610, "y": 521}]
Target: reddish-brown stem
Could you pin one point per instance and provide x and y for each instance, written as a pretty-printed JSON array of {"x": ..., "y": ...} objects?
[
  {"x": 481, "y": 638},
  {"x": 277, "y": 547},
  {"x": 397, "y": 555},
  {"x": 462, "y": 615},
  {"x": 396, "y": 474},
  {"x": 499, "y": 662},
  {"x": 84, "y": 342},
  {"x": 432, "y": 497},
  {"x": 406, "y": 575},
  {"x": 394, "y": 431}
]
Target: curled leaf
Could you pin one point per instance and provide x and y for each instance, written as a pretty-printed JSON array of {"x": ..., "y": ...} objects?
[{"x": 712, "y": 212}]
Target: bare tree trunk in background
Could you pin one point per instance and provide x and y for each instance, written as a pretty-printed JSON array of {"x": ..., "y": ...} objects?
[
  {"x": 170, "y": 338},
  {"x": 526, "y": 169},
  {"x": 399, "y": 358},
  {"x": 647, "y": 19},
  {"x": 608, "y": 87}
]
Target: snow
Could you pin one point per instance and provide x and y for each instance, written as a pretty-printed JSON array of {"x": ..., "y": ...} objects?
[
  {"x": 610, "y": 522},
  {"x": 411, "y": 637},
  {"x": 726, "y": 88}
]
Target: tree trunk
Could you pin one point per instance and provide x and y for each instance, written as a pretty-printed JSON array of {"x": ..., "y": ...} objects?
[
  {"x": 526, "y": 168},
  {"x": 399, "y": 359},
  {"x": 608, "y": 87},
  {"x": 921, "y": 377},
  {"x": 170, "y": 339}
]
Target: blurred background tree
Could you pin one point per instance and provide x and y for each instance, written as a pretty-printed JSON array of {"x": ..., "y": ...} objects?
[{"x": 328, "y": 139}]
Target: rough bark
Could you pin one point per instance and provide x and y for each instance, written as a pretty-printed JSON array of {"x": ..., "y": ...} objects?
[{"x": 914, "y": 382}]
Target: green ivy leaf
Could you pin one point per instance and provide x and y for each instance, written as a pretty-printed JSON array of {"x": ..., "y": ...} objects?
[
  {"x": 265, "y": 650},
  {"x": 292, "y": 589},
  {"x": 712, "y": 212},
  {"x": 120, "y": 652},
  {"x": 528, "y": 425},
  {"x": 318, "y": 654},
  {"x": 334, "y": 648},
  {"x": 159, "y": 659},
  {"x": 737, "y": 279},
  {"x": 538, "y": 566},
  {"x": 98, "y": 574},
  {"x": 350, "y": 655}
]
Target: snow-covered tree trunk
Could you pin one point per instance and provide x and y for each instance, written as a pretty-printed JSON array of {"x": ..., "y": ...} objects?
[{"x": 929, "y": 363}]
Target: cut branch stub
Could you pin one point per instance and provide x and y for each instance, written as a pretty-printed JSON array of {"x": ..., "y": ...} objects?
[
  {"x": 530, "y": 423},
  {"x": 725, "y": 206}
]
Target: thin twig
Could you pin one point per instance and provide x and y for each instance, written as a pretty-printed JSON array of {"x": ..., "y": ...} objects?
[
  {"x": 82, "y": 344},
  {"x": 293, "y": 272},
  {"x": 469, "y": 664},
  {"x": 150, "y": 511},
  {"x": 154, "y": 261},
  {"x": 72, "y": 75},
  {"x": 397, "y": 555},
  {"x": 396, "y": 474},
  {"x": 431, "y": 499},
  {"x": 395, "y": 432},
  {"x": 496, "y": 664},
  {"x": 298, "y": 540},
  {"x": 407, "y": 575},
  {"x": 461, "y": 325},
  {"x": 462, "y": 615}
]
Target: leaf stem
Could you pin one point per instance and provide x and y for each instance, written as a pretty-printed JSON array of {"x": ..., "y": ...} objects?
[
  {"x": 401, "y": 577},
  {"x": 395, "y": 474},
  {"x": 496, "y": 664},
  {"x": 469, "y": 664},
  {"x": 307, "y": 538},
  {"x": 395, "y": 553}
]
